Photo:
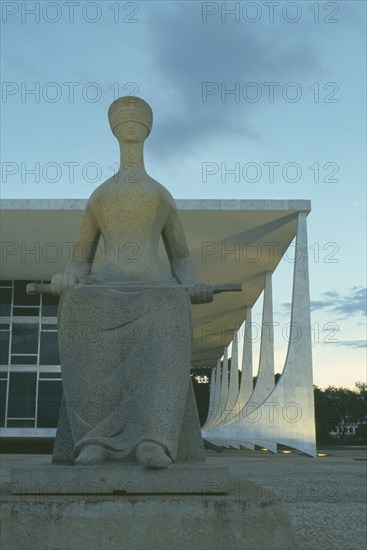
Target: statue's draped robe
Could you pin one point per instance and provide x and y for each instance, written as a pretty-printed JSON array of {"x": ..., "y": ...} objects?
[{"x": 125, "y": 362}]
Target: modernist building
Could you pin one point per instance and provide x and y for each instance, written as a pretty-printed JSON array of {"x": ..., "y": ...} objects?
[{"x": 234, "y": 241}]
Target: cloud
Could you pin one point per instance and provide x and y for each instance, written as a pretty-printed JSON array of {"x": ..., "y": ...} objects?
[
  {"x": 187, "y": 52},
  {"x": 286, "y": 309},
  {"x": 355, "y": 344},
  {"x": 354, "y": 303},
  {"x": 330, "y": 293}
]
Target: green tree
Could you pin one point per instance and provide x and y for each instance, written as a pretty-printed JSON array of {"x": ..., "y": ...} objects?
[
  {"x": 326, "y": 415},
  {"x": 338, "y": 407}
]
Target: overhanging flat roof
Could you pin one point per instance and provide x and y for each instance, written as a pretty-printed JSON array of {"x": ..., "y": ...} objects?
[{"x": 229, "y": 241}]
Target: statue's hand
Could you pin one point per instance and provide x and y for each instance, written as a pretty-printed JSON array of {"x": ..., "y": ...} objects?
[
  {"x": 201, "y": 293},
  {"x": 62, "y": 282}
]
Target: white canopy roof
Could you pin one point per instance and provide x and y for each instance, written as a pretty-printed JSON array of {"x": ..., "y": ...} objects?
[{"x": 233, "y": 241}]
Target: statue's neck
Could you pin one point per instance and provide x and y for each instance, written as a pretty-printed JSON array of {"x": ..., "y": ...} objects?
[{"x": 132, "y": 157}]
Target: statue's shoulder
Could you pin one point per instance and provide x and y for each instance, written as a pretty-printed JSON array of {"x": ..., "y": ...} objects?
[
  {"x": 101, "y": 190},
  {"x": 163, "y": 192}
]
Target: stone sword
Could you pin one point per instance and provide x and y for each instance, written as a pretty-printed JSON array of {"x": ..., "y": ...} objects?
[{"x": 36, "y": 288}]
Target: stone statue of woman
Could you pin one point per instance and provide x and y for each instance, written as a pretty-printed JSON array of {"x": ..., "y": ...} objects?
[{"x": 125, "y": 331}]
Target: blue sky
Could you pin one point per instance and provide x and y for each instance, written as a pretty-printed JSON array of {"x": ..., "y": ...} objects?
[{"x": 182, "y": 57}]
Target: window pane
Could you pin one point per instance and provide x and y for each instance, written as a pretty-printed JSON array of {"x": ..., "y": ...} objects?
[
  {"x": 49, "y": 327},
  {"x": 5, "y": 283},
  {"x": 24, "y": 338},
  {"x": 5, "y": 301},
  {"x": 25, "y": 311},
  {"x": 49, "y": 305},
  {"x": 3, "y": 384},
  {"x": 20, "y": 423},
  {"x": 22, "y": 395},
  {"x": 4, "y": 347},
  {"x": 56, "y": 375},
  {"x": 49, "y": 351},
  {"x": 21, "y": 298},
  {"x": 49, "y": 399},
  {"x": 23, "y": 360}
]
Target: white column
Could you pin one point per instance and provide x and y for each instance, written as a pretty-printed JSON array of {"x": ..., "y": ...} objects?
[
  {"x": 265, "y": 377},
  {"x": 246, "y": 386},
  {"x": 217, "y": 392},
  {"x": 233, "y": 378},
  {"x": 223, "y": 390},
  {"x": 213, "y": 380},
  {"x": 295, "y": 387},
  {"x": 292, "y": 401}
]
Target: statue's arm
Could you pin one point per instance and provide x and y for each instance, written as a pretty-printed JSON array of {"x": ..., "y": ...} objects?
[
  {"x": 83, "y": 255},
  {"x": 174, "y": 240},
  {"x": 85, "y": 246},
  {"x": 182, "y": 266}
]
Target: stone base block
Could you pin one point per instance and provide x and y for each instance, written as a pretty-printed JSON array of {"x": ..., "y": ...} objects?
[
  {"x": 118, "y": 479},
  {"x": 219, "y": 513}
]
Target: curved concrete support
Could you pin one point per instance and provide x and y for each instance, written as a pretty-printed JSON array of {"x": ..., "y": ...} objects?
[
  {"x": 225, "y": 373},
  {"x": 216, "y": 396},
  {"x": 294, "y": 422},
  {"x": 246, "y": 386},
  {"x": 213, "y": 380},
  {"x": 233, "y": 389},
  {"x": 265, "y": 378},
  {"x": 286, "y": 415},
  {"x": 218, "y": 420},
  {"x": 223, "y": 442},
  {"x": 269, "y": 445},
  {"x": 246, "y": 444},
  {"x": 233, "y": 379}
]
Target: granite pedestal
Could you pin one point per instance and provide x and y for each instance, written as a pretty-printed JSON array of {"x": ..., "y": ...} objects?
[{"x": 131, "y": 508}]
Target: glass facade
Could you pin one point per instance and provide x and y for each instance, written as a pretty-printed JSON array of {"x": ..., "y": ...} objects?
[{"x": 30, "y": 375}]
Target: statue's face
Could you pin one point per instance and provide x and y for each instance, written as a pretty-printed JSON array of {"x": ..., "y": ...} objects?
[{"x": 131, "y": 132}]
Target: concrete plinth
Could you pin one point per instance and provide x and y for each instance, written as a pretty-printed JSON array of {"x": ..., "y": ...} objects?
[
  {"x": 116, "y": 479},
  {"x": 211, "y": 510}
]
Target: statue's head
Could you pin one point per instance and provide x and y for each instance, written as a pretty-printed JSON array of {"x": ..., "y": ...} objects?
[{"x": 130, "y": 118}]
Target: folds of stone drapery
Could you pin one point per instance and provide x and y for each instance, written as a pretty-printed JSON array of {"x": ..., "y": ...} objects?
[
  {"x": 129, "y": 381},
  {"x": 269, "y": 414}
]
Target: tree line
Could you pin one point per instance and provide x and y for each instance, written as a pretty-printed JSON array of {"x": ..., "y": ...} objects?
[{"x": 341, "y": 414}]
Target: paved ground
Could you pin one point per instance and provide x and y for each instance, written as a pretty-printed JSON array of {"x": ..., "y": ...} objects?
[{"x": 326, "y": 497}]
